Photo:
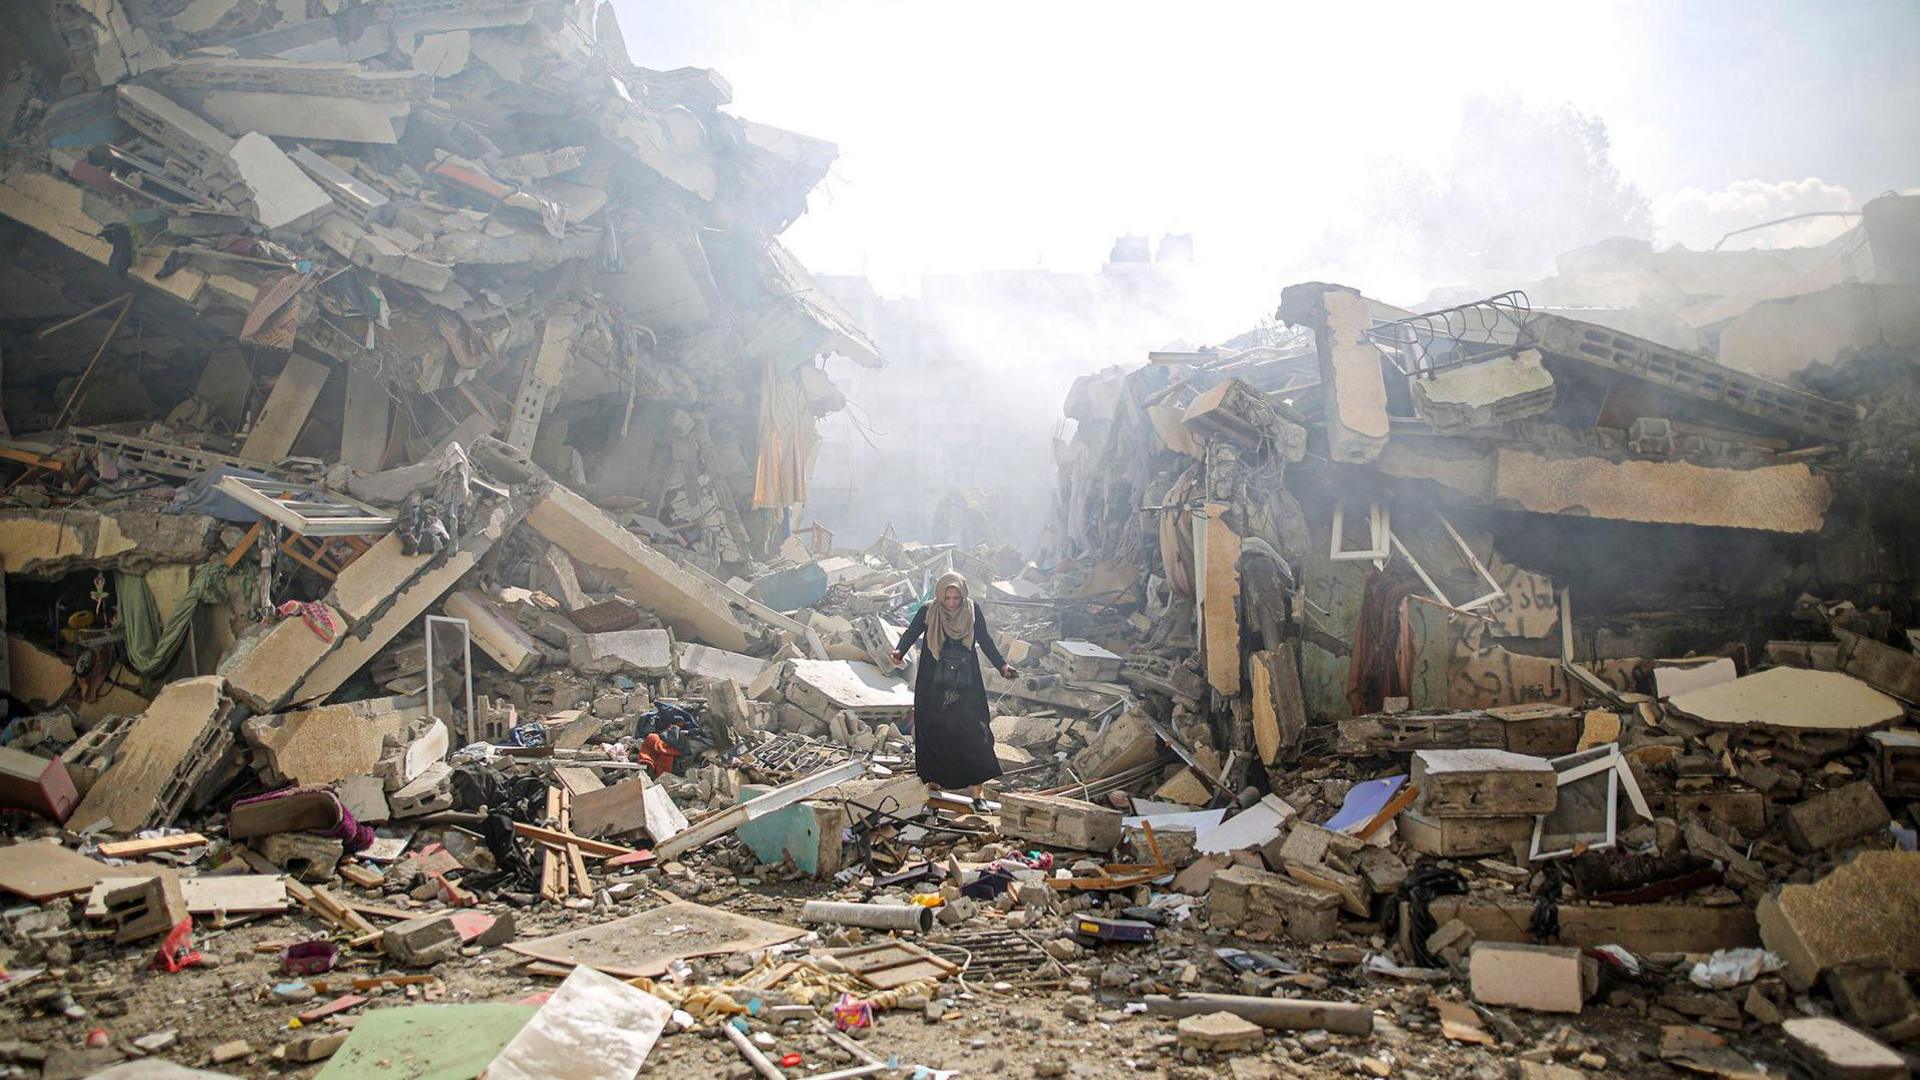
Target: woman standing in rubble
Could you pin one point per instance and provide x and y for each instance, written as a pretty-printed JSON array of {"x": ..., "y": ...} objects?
[{"x": 952, "y": 744}]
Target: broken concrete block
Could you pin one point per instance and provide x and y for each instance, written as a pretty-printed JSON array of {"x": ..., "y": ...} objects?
[
  {"x": 1867, "y": 907},
  {"x": 1484, "y": 393},
  {"x": 1483, "y": 783},
  {"x": 305, "y": 856},
  {"x": 169, "y": 749},
  {"x": 705, "y": 662},
  {"x": 494, "y": 631},
  {"x": 268, "y": 661},
  {"x": 1832, "y": 818},
  {"x": 1896, "y": 763},
  {"x": 656, "y": 582},
  {"x": 1451, "y": 941},
  {"x": 278, "y": 194},
  {"x": 1184, "y": 787},
  {"x": 1258, "y": 902},
  {"x": 642, "y": 652},
  {"x": 1871, "y": 993},
  {"x": 619, "y": 810},
  {"x": 313, "y": 747},
  {"x": 145, "y": 908},
  {"x": 1084, "y": 661},
  {"x": 1127, "y": 742},
  {"x": 824, "y": 687},
  {"x": 428, "y": 793},
  {"x": 1350, "y": 367},
  {"x": 1221, "y": 1033},
  {"x": 1831, "y": 1050},
  {"x": 1235, "y": 412},
  {"x": 405, "y": 756},
  {"x": 1310, "y": 843},
  {"x": 1544, "y": 978},
  {"x": 422, "y": 942},
  {"x": 365, "y": 797},
  {"x": 311, "y": 1048},
  {"x": 1052, "y": 821}
]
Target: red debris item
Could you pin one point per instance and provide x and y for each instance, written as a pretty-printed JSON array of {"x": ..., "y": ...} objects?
[
  {"x": 177, "y": 952},
  {"x": 656, "y": 755},
  {"x": 788, "y": 1061},
  {"x": 309, "y": 957},
  {"x": 98, "y": 1039},
  {"x": 642, "y": 858},
  {"x": 337, "y": 1005},
  {"x": 852, "y": 1014},
  {"x": 316, "y": 616},
  {"x": 452, "y": 892}
]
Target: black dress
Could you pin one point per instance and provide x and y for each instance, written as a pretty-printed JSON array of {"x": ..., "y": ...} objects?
[{"x": 952, "y": 744}]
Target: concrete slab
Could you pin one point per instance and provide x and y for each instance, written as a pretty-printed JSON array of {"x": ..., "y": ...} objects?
[
  {"x": 1485, "y": 394},
  {"x": 646, "y": 576},
  {"x": 1866, "y": 907},
  {"x": 1792, "y": 699},
  {"x": 645, "y": 652},
  {"x": 170, "y": 746}
]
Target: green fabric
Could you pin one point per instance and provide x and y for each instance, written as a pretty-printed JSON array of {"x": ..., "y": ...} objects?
[{"x": 151, "y": 647}]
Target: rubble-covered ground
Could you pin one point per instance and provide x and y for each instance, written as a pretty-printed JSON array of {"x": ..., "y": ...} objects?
[{"x": 414, "y": 665}]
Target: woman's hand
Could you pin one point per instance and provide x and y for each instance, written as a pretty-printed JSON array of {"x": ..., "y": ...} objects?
[
  {"x": 1007, "y": 672},
  {"x": 898, "y": 660}
]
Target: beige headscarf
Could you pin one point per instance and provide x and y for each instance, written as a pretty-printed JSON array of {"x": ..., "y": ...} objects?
[{"x": 943, "y": 624}]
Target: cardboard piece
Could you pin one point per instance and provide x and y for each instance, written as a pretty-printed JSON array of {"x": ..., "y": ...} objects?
[
  {"x": 41, "y": 870},
  {"x": 644, "y": 944}
]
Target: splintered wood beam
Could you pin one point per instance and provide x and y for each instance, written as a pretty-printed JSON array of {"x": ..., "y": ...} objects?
[{"x": 72, "y": 406}]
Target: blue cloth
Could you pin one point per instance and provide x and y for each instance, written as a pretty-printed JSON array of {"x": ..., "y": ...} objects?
[{"x": 199, "y": 496}]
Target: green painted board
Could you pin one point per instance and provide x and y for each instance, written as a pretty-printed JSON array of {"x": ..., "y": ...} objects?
[{"x": 427, "y": 1042}]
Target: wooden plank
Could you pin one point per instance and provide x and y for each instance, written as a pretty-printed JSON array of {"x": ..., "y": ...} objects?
[
  {"x": 133, "y": 849},
  {"x": 1640, "y": 928},
  {"x": 42, "y": 871},
  {"x": 285, "y": 412},
  {"x": 552, "y": 856},
  {"x": 560, "y": 839},
  {"x": 1279, "y": 710},
  {"x": 1219, "y": 597},
  {"x": 235, "y": 894},
  {"x": 363, "y": 422}
]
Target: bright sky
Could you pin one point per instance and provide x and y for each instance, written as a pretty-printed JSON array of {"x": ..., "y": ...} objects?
[{"x": 994, "y": 134}]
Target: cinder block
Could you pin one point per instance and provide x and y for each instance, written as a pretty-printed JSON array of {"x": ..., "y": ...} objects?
[
  {"x": 1483, "y": 783},
  {"x": 1261, "y": 903},
  {"x": 1052, "y": 821},
  {"x": 428, "y": 793},
  {"x": 1835, "y": 817},
  {"x": 1830, "y": 1050},
  {"x": 1544, "y": 978},
  {"x": 145, "y": 908},
  {"x": 422, "y": 942},
  {"x": 1454, "y": 838},
  {"x": 303, "y": 855}
]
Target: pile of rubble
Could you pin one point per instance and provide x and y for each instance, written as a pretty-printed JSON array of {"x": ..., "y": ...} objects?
[{"x": 1705, "y": 784}]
